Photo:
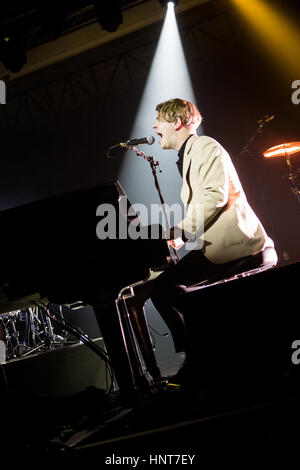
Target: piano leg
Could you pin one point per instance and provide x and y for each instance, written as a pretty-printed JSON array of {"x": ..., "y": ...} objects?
[
  {"x": 126, "y": 335},
  {"x": 121, "y": 346},
  {"x": 135, "y": 297},
  {"x": 137, "y": 314}
]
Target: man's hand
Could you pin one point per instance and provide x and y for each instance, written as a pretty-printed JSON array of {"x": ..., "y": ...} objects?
[{"x": 176, "y": 244}]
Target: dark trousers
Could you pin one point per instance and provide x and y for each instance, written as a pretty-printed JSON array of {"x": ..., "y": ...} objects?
[{"x": 193, "y": 269}]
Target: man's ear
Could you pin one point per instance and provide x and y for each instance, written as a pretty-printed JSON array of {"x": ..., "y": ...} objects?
[{"x": 178, "y": 124}]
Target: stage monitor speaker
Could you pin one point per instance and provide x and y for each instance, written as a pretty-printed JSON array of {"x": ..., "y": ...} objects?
[{"x": 61, "y": 372}]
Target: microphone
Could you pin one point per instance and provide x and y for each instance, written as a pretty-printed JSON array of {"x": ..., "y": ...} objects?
[{"x": 144, "y": 140}]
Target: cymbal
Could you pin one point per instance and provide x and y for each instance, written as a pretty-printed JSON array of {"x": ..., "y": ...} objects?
[{"x": 282, "y": 150}]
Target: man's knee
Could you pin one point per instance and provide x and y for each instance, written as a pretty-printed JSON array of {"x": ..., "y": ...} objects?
[{"x": 165, "y": 291}]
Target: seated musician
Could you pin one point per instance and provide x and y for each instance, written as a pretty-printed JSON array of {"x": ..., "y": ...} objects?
[{"x": 229, "y": 237}]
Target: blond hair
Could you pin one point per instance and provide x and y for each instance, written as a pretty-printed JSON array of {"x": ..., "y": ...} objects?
[{"x": 186, "y": 111}]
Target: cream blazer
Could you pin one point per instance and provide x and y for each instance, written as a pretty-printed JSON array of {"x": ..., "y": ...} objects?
[{"x": 217, "y": 213}]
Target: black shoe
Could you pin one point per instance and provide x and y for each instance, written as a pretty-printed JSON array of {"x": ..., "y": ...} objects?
[
  {"x": 190, "y": 390},
  {"x": 188, "y": 378}
]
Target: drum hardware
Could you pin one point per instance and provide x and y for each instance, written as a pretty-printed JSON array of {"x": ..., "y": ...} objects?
[
  {"x": 287, "y": 150},
  {"x": 247, "y": 149},
  {"x": 30, "y": 330}
]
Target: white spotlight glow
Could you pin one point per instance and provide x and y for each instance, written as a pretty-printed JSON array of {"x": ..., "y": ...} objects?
[{"x": 168, "y": 78}]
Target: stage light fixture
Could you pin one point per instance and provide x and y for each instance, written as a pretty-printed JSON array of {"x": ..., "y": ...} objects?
[
  {"x": 52, "y": 17},
  {"x": 109, "y": 14},
  {"x": 167, "y": 3},
  {"x": 12, "y": 52}
]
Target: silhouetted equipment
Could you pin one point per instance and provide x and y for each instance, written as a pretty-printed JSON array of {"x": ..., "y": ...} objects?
[
  {"x": 13, "y": 49},
  {"x": 109, "y": 14}
]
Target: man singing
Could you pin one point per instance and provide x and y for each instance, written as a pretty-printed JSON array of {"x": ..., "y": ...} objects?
[{"x": 229, "y": 237}]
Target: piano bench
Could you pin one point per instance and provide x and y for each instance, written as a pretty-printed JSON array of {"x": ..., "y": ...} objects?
[{"x": 228, "y": 278}]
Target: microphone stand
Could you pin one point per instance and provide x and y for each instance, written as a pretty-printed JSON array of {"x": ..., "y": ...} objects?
[
  {"x": 292, "y": 176},
  {"x": 154, "y": 164},
  {"x": 246, "y": 148}
]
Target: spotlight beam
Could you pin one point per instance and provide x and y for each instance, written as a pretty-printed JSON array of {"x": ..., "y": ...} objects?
[
  {"x": 278, "y": 34},
  {"x": 168, "y": 78}
]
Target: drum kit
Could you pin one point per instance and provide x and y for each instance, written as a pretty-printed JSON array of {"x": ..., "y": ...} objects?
[
  {"x": 287, "y": 150},
  {"x": 28, "y": 331}
]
